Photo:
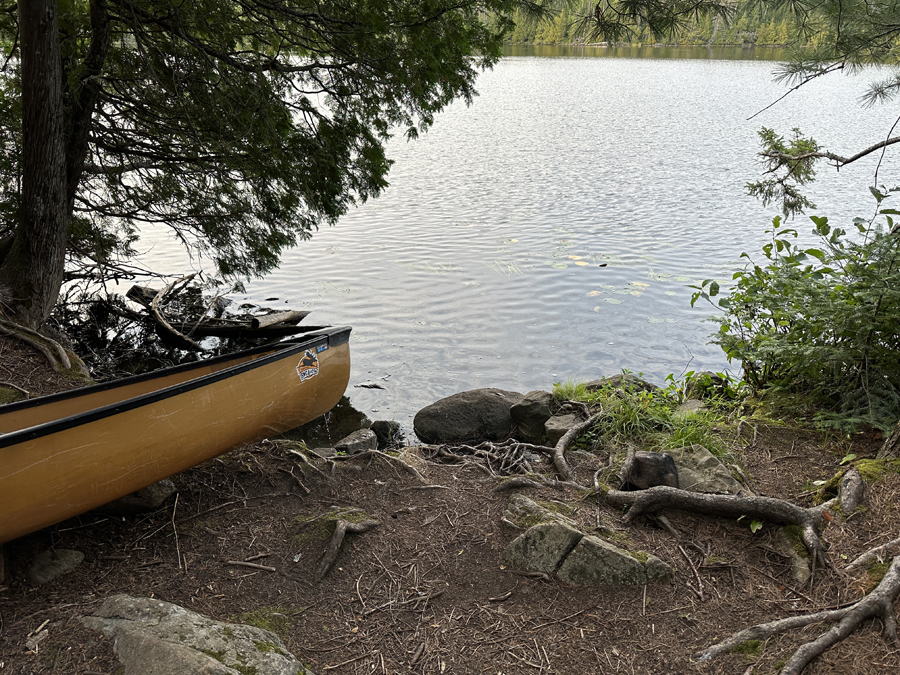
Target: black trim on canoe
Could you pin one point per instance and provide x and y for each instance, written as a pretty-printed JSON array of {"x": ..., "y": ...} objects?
[{"x": 280, "y": 350}]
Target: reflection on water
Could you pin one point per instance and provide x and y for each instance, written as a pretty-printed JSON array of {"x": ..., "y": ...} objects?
[
  {"x": 732, "y": 53},
  {"x": 550, "y": 230}
]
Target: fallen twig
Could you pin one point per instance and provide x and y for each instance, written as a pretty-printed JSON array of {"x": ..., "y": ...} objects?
[{"x": 255, "y": 566}]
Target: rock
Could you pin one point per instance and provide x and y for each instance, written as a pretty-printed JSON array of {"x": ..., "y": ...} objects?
[
  {"x": 628, "y": 382},
  {"x": 556, "y": 427},
  {"x": 525, "y": 513},
  {"x": 152, "y": 637},
  {"x": 595, "y": 562},
  {"x": 357, "y": 442},
  {"x": 530, "y": 414},
  {"x": 643, "y": 470},
  {"x": 700, "y": 471},
  {"x": 388, "y": 433},
  {"x": 542, "y": 547},
  {"x": 50, "y": 564},
  {"x": 852, "y": 491},
  {"x": 144, "y": 500},
  {"x": 690, "y": 407},
  {"x": 468, "y": 416},
  {"x": 791, "y": 547}
]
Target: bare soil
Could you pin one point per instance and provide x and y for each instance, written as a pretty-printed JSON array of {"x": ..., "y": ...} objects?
[{"x": 425, "y": 591}]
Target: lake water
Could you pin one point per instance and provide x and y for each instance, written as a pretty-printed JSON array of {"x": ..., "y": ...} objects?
[{"x": 549, "y": 231}]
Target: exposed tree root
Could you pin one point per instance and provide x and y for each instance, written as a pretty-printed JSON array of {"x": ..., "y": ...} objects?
[
  {"x": 728, "y": 506},
  {"x": 54, "y": 352},
  {"x": 872, "y": 554},
  {"x": 372, "y": 454},
  {"x": 879, "y": 603},
  {"x": 341, "y": 529},
  {"x": 559, "y": 452}
]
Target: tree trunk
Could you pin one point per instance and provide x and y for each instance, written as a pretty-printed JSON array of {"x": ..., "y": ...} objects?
[
  {"x": 891, "y": 447},
  {"x": 32, "y": 272}
]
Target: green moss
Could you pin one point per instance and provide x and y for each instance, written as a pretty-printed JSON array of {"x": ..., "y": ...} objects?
[
  {"x": 321, "y": 527},
  {"x": 640, "y": 556},
  {"x": 876, "y": 572},
  {"x": 794, "y": 533},
  {"x": 558, "y": 507},
  {"x": 10, "y": 395},
  {"x": 266, "y": 647},
  {"x": 750, "y": 647},
  {"x": 272, "y": 619},
  {"x": 713, "y": 559},
  {"x": 217, "y": 655}
]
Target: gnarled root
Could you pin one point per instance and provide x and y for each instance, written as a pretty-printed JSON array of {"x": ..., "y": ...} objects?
[
  {"x": 727, "y": 506},
  {"x": 54, "y": 352},
  {"x": 341, "y": 529},
  {"x": 559, "y": 452},
  {"x": 879, "y": 603}
]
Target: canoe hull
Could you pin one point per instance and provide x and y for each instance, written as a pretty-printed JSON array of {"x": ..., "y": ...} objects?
[{"x": 58, "y": 469}]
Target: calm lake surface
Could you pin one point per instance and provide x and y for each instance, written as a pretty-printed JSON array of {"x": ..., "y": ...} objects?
[{"x": 549, "y": 231}]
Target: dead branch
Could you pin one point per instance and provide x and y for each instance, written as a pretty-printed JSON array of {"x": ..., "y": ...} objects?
[
  {"x": 559, "y": 452},
  {"x": 727, "y": 506},
  {"x": 877, "y": 604},
  {"x": 178, "y": 339},
  {"x": 341, "y": 529}
]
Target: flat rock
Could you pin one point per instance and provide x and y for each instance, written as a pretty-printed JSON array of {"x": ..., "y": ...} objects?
[
  {"x": 152, "y": 637},
  {"x": 595, "y": 562},
  {"x": 467, "y": 416},
  {"x": 701, "y": 471},
  {"x": 359, "y": 441},
  {"x": 542, "y": 547},
  {"x": 556, "y": 427},
  {"x": 525, "y": 513},
  {"x": 50, "y": 564}
]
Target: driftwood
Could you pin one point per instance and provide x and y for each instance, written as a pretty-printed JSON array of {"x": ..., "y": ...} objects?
[
  {"x": 275, "y": 325},
  {"x": 168, "y": 333},
  {"x": 877, "y": 604}
]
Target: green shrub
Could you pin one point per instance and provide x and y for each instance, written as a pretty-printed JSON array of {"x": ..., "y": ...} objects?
[{"x": 822, "y": 321}]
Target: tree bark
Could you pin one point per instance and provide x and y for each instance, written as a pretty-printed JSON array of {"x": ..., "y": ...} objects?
[
  {"x": 32, "y": 272},
  {"x": 891, "y": 447}
]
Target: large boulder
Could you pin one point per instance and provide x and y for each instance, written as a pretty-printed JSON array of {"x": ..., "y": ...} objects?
[
  {"x": 152, "y": 637},
  {"x": 530, "y": 414},
  {"x": 468, "y": 416}
]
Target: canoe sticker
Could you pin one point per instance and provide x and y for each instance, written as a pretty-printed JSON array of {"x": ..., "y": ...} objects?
[{"x": 308, "y": 366}]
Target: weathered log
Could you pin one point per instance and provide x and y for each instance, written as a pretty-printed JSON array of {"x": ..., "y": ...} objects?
[{"x": 168, "y": 333}]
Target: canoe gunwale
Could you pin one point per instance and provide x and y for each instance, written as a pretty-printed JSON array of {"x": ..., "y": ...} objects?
[{"x": 270, "y": 354}]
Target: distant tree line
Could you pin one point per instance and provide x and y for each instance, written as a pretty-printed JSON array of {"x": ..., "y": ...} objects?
[{"x": 750, "y": 23}]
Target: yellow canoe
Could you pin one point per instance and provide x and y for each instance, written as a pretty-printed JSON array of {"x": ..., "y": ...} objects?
[{"x": 65, "y": 454}]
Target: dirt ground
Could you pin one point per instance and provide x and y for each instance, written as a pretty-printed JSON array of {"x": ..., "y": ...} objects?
[{"x": 425, "y": 590}]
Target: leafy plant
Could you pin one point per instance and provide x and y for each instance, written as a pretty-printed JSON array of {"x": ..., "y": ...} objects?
[{"x": 823, "y": 321}]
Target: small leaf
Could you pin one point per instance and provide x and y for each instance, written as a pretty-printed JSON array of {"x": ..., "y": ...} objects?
[{"x": 755, "y": 526}]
